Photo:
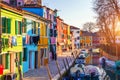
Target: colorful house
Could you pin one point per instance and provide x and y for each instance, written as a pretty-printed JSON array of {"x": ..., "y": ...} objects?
[
  {"x": 76, "y": 34},
  {"x": 69, "y": 44},
  {"x": 86, "y": 38},
  {"x": 60, "y": 35},
  {"x": 11, "y": 55},
  {"x": 43, "y": 51},
  {"x": 31, "y": 35},
  {"x": 65, "y": 33},
  {"x": 51, "y": 15}
]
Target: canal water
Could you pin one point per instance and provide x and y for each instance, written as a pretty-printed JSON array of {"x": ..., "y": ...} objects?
[{"x": 94, "y": 59}]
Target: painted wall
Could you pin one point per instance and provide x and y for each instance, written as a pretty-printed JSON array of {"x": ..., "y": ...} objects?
[{"x": 37, "y": 11}]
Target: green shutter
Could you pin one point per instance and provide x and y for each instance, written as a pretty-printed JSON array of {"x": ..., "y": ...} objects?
[
  {"x": 16, "y": 58},
  {"x": 0, "y": 59},
  {"x": 3, "y": 24},
  {"x": 6, "y": 43},
  {"x": 3, "y": 43},
  {"x": 7, "y": 61},
  {"x": 16, "y": 27},
  {"x": 20, "y": 57},
  {"x": 8, "y": 25},
  {"x": 20, "y": 27}
]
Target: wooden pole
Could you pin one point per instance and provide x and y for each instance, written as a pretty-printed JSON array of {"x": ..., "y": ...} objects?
[
  {"x": 67, "y": 63},
  {"x": 64, "y": 64},
  {"x": 58, "y": 69},
  {"x": 48, "y": 70}
]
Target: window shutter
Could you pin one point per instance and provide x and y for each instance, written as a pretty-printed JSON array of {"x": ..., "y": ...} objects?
[
  {"x": 3, "y": 43},
  {"x": 8, "y": 25},
  {"x": 20, "y": 27},
  {"x": 7, "y": 61},
  {"x": 16, "y": 27},
  {"x": 0, "y": 59},
  {"x": 3, "y": 24},
  {"x": 20, "y": 57}
]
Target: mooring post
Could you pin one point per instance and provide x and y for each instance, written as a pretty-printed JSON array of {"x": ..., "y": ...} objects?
[
  {"x": 58, "y": 69},
  {"x": 48, "y": 70},
  {"x": 67, "y": 63},
  {"x": 64, "y": 64}
]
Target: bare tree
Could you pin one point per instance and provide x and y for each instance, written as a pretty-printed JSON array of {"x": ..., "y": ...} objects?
[
  {"x": 89, "y": 26},
  {"x": 108, "y": 15}
]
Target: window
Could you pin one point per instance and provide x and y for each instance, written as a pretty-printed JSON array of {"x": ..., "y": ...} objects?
[
  {"x": 13, "y": 2},
  {"x": 55, "y": 33},
  {"x": 18, "y": 27},
  {"x": 24, "y": 27},
  {"x": 51, "y": 32},
  {"x": 46, "y": 30},
  {"x": 20, "y": 58},
  {"x": 34, "y": 27},
  {"x": 7, "y": 61},
  {"x": 24, "y": 54},
  {"x": 78, "y": 38},
  {"x": 78, "y": 32},
  {"x": 6, "y": 25}
]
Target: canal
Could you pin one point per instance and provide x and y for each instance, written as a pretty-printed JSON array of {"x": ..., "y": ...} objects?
[{"x": 91, "y": 59}]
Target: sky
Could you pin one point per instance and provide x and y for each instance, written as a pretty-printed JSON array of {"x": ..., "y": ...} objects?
[{"x": 73, "y": 12}]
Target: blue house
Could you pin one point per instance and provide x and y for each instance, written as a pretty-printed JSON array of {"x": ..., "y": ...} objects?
[
  {"x": 50, "y": 15},
  {"x": 30, "y": 41}
]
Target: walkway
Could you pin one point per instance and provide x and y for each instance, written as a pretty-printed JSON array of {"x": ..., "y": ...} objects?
[{"x": 42, "y": 74}]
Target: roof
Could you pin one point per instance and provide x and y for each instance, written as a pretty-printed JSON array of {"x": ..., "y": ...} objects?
[
  {"x": 86, "y": 33},
  {"x": 73, "y": 27}
]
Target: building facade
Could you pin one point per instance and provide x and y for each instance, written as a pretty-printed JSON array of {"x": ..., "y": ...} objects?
[
  {"x": 60, "y": 43},
  {"x": 31, "y": 36},
  {"x": 76, "y": 33},
  {"x": 11, "y": 55}
]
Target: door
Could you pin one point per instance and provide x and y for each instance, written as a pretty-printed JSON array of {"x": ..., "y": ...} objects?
[
  {"x": 30, "y": 59},
  {"x": 36, "y": 59},
  {"x": 12, "y": 62},
  {"x": 41, "y": 56}
]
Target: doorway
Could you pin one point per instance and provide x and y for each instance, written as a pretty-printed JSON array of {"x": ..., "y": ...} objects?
[
  {"x": 36, "y": 59},
  {"x": 12, "y": 62},
  {"x": 30, "y": 59}
]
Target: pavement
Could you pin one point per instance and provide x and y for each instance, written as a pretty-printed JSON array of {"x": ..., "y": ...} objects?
[{"x": 42, "y": 74}]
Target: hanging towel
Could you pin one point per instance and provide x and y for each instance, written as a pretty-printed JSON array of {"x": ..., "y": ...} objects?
[{"x": 14, "y": 41}]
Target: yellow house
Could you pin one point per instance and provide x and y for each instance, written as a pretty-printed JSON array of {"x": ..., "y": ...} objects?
[
  {"x": 43, "y": 43},
  {"x": 68, "y": 40},
  {"x": 85, "y": 39},
  {"x": 11, "y": 54}
]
